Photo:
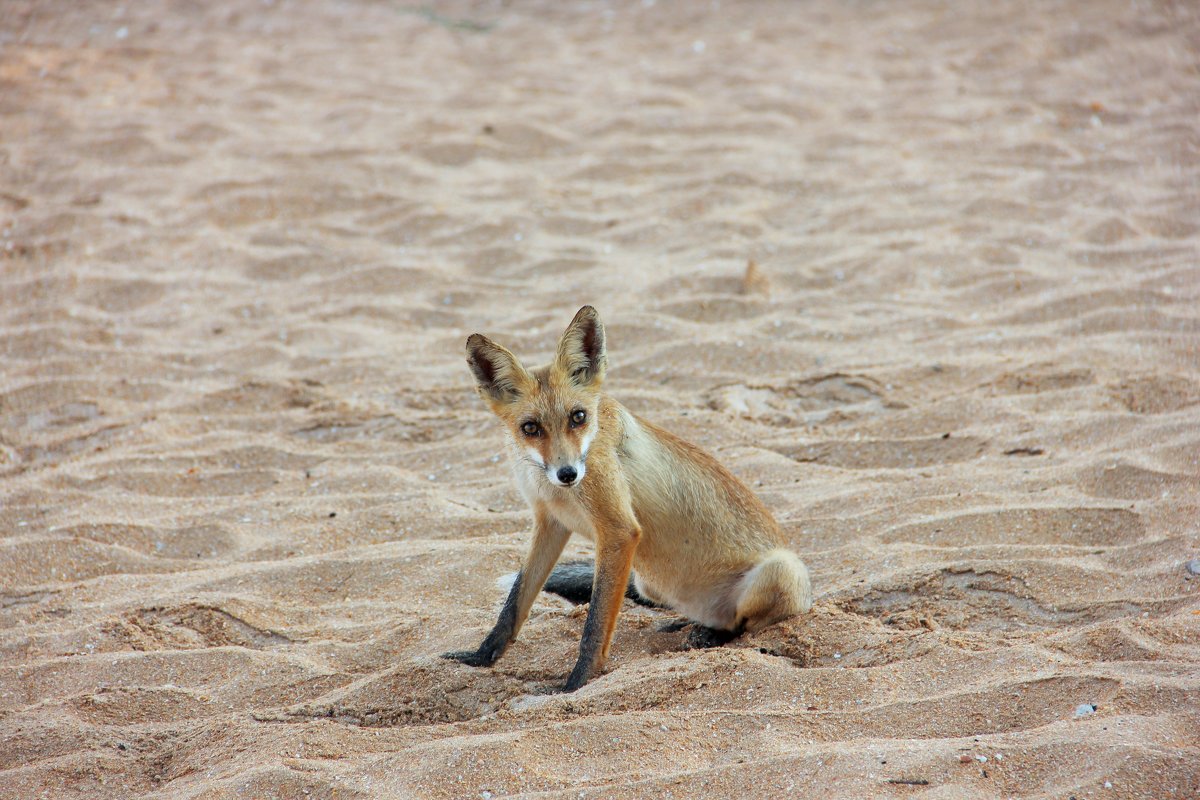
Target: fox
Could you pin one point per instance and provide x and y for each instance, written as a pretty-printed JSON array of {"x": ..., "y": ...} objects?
[{"x": 670, "y": 526}]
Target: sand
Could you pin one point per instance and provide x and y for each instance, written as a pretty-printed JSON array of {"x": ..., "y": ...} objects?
[{"x": 248, "y": 494}]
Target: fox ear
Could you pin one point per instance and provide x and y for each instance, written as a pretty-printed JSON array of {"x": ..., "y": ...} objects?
[
  {"x": 581, "y": 354},
  {"x": 500, "y": 376}
]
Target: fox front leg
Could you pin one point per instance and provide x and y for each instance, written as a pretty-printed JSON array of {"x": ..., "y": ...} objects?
[
  {"x": 614, "y": 558},
  {"x": 549, "y": 538},
  {"x": 498, "y": 639}
]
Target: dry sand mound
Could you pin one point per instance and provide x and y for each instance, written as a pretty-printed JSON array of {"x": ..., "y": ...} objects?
[{"x": 248, "y": 495}]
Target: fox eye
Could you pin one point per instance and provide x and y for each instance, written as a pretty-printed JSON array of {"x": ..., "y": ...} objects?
[
  {"x": 578, "y": 417},
  {"x": 530, "y": 428}
]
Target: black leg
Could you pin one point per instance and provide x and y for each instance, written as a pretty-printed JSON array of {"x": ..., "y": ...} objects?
[
  {"x": 611, "y": 578},
  {"x": 497, "y": 641},
  {"x": 589, "y": 651}
]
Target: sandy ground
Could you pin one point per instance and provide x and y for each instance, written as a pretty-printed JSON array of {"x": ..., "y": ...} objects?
[{"x": 248, "y": 493}]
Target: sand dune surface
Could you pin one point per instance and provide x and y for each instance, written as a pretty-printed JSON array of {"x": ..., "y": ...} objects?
[{"x": 926, "y": 276}]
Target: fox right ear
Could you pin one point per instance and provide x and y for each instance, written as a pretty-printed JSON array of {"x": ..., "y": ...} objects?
[{"x": 500, "y": 377}]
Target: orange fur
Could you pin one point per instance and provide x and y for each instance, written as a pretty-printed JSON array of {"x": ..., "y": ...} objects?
[{"x": 695, "y": 537}]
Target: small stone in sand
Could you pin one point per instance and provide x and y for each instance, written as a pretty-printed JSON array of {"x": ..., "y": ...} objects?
[
  {"x": 1193, "y": 566},
  {"x": 1083, "y": 709}
]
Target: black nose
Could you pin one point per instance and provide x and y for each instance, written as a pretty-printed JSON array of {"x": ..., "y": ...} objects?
[{"x": 567, "y": 474}]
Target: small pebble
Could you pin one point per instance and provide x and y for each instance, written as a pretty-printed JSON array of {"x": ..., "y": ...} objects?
[
  {"x": 1193, "y": 566},
  {"x": 1083, "y": 709}
]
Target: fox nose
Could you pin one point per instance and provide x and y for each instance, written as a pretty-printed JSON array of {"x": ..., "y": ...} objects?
[{"x": 567, "y": 475}]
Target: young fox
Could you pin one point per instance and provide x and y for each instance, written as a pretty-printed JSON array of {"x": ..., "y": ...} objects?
[{"x": 698, "y": 541}]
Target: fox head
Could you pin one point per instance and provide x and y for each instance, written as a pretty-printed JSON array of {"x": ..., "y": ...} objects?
[{"x": 549, "y": 412}]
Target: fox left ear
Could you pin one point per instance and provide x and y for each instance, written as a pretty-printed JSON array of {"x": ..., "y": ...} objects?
[{"x": 581, "y": 354}]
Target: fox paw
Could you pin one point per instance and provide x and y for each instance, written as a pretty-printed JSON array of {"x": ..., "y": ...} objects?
[
  {"x": 702, "y": 638},
  {"x": 472, "y": 658},
  {"x": 674, "y": 626},
  {"x": 699, "y": 637}
]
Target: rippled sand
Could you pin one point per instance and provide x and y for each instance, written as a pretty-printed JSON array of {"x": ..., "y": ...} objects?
[{"x": 247, "y": 493}]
